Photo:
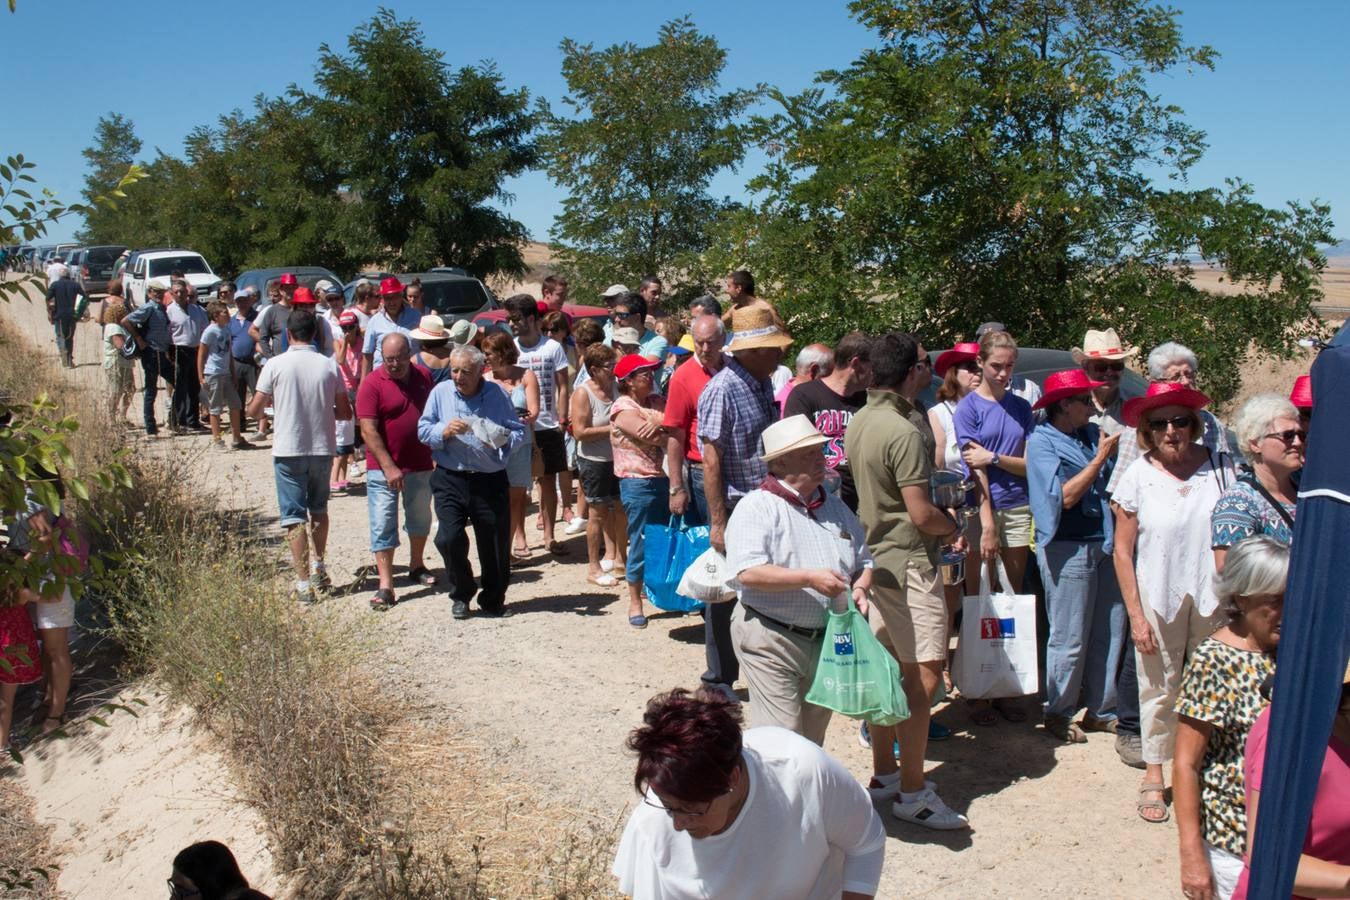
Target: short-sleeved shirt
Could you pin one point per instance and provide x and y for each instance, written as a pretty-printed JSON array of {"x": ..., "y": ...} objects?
[
  {"x": 271, "y": 325},
  {"x": 652, "y": 344},
  {"x": 217, "y": 343},
  {"x": 303, "y": 384},
  {"x": 733, "y": 411},
  {"x": 186, "y": 323},
  {"x": 1214, "y": 436},
  {"x": 395, "y": 406},
  {"x": 1242, "y": 513},
  {"x": 381, "y": 324},
  {"x": 887, "y": 452},
  {"x": 545, "y": 359},
  {"x": 242, "y": 345},
  {"x": 1222, "y": 688},
  {"x": 1003, "y": 428},
  {"x": 682, "y": 395},
  {"x": 830, "y": 413},
  {"x": 632, "y": 459}
]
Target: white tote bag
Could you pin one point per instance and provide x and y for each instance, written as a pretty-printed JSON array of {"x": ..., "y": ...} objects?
[
  {"x": 707, "y": 579},
  {"x": 996, "y": 656}
]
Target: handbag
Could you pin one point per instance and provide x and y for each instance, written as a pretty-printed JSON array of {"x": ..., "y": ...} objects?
[
  {"x": 996, "y": 655},
  {"x": 707, "y": 578},
  {"x": 855, "y": 675},
  {"x": 668, "y": 550}
]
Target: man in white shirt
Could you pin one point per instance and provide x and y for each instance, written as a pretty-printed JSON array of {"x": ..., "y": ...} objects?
[{"x": 54, "y": 268}]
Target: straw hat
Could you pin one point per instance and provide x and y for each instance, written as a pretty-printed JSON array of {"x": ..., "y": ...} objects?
[
  {"x": 793, "y": 433},
  {"x": 755, "y": 328},
  {"x": 1102, "y": 345},
  {"x": 431, "y": 328},
  {"x": 463, "y": 332},
  {"x": 1301, "y": 395},
  {"x": 958, "y": 354},
  {"x": 1162, "y": 393},
  {"x": 1069, "y": 383}
]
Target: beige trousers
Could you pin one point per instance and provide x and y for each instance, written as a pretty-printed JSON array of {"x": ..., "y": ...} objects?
[
  {"x": 778, "y": 667},
  {"x": 1160, "y": 673}
]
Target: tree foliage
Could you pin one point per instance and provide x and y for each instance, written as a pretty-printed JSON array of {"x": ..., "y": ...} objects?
[
  {"x": 649, "y": 132},
  {"x": 112, "y": 154},
  {"x": 1009, "y": 161}
]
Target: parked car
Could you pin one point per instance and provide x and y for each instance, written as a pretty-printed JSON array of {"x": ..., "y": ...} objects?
[
  {"x": 147, "y": 264},
  {"x": 452, "y": 297},
  {"x": 260, "y": 279},
  {"x": 496, "y": 318},
  {"x": 92, "y": 267},
  {"x": 349, "y": 289},
  {"x": 1036, "y": 364}
]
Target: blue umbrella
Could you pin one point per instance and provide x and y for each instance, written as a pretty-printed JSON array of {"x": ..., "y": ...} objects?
[{"x": 1314, "y": 637}]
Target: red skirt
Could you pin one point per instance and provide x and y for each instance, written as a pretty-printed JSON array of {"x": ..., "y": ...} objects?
[{"x": 18, "y": 647}]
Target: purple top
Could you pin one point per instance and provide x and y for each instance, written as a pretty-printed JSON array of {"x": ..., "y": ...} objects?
[{"x": 1002, "y": 427}]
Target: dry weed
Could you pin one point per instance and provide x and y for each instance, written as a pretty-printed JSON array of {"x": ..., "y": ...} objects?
[{"x": 25, "y": 848}]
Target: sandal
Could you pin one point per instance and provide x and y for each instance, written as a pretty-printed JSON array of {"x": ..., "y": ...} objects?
[
  {"x": 1141, "y": 804},
  {"x": 520, "y": 554},
  {"x": 604, "y": 579},
  {"x": 1065, "y": 729},
  {"x": 1009, "y": 710},
  {"x": 59, "y": 720},
  {"x": 1092, "y": 723},
  {"x": 557, "y": 548},
  {"x": 422, "y": 575},
  {"x": 383, "y": 600},
  {"x": 981, "y": 713}
]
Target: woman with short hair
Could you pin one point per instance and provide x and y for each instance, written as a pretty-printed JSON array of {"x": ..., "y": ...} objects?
[
  {"x": 1263, "y": 500},
  {"x": 592, "y": 404},
  {"x": 500, "y": 355},
  {"x": 1219, "y": 702},
  {"x": 720, "y": 810},
  {"x": 639, "y": 445}
]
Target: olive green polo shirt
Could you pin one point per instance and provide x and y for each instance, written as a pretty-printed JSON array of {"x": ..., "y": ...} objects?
[{"x": 887, "y": 451}]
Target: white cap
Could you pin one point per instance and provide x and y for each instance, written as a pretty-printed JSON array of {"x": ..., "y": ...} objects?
[{"x": 615, "y": 290}]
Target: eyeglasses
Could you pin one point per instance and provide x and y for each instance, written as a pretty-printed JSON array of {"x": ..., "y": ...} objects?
[
  {"x": 618, "y": 314},
  {"x": 1177, "y": 422},
  {"x": 1178, "y": 377},
  {"x": 1289, "y": 435},
  {"x": 1106, "y": 366}
]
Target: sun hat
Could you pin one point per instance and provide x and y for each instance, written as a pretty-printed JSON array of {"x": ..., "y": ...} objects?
[
  {"x": 347, "y": 317},
  {"x": 687, "y": 343},
  {"x": 632, "y": 363},
  {"x": 463, "y": 332},
  {"x": 958, "y": 354},
  {"x": 287, "y": 279},
  {"x": 1301, "y": 395},
  {"x": 1102, "y": 345},
  {"x": 679, "y": 349},
  {"x": 986, "y": 327},
  {"x": 614, "y": 290},
  {"x": 157, "y": 284},
  {"x": 431, "y": 328},
  {"x": 304, "y": 297},
  {"x": 755, "y": 328},
  {"x": 1162, "y": 393},
  {"x": 793, "y": 433},
  {"x": 626, "y": 336},
  {"x": 389, "y": 286},
  {"x": 1068, "y": 383},
  {"x": 324, "y": 286}
]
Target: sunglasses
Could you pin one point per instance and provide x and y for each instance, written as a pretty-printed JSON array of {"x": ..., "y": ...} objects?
[
  {"x": 1289, "y": 435},
  {"x": 1177, "y": 422},
  {"x": 1106, "y": 366},
  {"x": 621, "y": 315}
]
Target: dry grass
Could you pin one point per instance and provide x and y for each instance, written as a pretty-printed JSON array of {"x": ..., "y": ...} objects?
[{"x": 25, "y": 848}]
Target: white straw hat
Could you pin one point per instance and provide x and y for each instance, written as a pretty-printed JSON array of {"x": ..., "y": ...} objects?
[{"x": 793, "y": 433}]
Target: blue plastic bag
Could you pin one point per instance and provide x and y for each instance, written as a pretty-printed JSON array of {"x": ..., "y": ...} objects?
[{"x": 668, "y": 550}]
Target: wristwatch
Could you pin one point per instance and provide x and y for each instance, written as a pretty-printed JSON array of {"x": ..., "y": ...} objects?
[
  {"x": 994, "y": 461},
  {"x": 677, "y": 490}
]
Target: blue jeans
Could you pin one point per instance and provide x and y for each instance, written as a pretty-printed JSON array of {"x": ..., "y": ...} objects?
[
  {"x": 645, "y": 500},
  {"x": 1088, "y": 626},
  {"x": 697, "y": 513},
  {"x": 382, "y": 507},
  {"x": 302, "y": 487},
  {"x": 65, "y": 338}
]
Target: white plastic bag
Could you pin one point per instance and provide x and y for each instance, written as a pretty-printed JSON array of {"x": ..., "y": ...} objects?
[
  {"x": 707, "y": 579},
  {"x": 996, "y": 656}
]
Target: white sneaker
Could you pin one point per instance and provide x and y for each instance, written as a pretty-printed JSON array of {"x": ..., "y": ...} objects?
[
  {"x": 576, "y": 526},
  {"x": 928, "y": 810},
  {"x": 889, "y": 789}
]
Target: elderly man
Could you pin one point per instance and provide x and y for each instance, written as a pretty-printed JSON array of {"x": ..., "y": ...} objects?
[
  {"x": 1103, "y": 357},
  {"x": 813, "y": 361},
  {"x": 832, "y": 400},
  {"x": 733, "y": 411},
  {"x": 891, "y": 462},
  {"x": 187, "y": 321},
  {"x": 66, "y": 301},
  {"x": 304, "y": 389},
  {"x": 389, "y": 403},
  {"x": 471, "y": 428},
  {"x": 148, "y": 326},
  {"x": 396, "y": 315},
  {"x": 795, "y": 550}
]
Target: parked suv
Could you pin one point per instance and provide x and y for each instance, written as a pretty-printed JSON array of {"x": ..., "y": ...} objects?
[
  {"x": 92, "y": 267},
  {"x": 147, "y": 264},
  {"x": 260, "y": 279},
  {"x": 452, "y": 297}
]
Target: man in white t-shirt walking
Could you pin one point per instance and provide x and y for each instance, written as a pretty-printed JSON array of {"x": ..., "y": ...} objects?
[
  {"x": 547, "y": 359},
  {"x": 304, "y": 389}
]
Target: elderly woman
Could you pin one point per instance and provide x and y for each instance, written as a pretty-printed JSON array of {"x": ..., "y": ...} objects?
[
  {"x": 1220, "y": 701},
  {"x": 1164, "y": 562},
  {"x": 639, "y": 444},
  {"x": 719, "y": 808},
  {"x": 121, "y": 382},
  {"x": 591, "y": 405},
  {"x": 519, "y": 382},
  {"x": 1067, "y": 465},
  {"x": 794, "y": 550},
  {"x": 1261, "y": 501}
]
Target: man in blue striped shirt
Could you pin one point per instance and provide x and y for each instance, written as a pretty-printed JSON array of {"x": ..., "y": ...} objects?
[{"x": 471, "y": 428}]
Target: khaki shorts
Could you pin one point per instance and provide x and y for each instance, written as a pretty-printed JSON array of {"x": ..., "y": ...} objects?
[
  {"x": 1014, "y": 526},
  {"x": 913, "y": 617}
]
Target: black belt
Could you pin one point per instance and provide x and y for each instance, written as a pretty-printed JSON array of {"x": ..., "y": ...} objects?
[
  {"x": 248, "y": 360},
  {"x": 811, "y": 633}
]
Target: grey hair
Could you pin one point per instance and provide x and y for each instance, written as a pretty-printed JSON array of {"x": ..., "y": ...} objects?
[
  {"x": 1254, "y": 418},
  {"x": 473, "y": 353},
  {"x": 384, "y": 341},
  {"x": 1253, "y": 566},
  {"x": 815, "y": 355},
  {"x": 1170, "y": 353},
  {"x": 720, "y": 326}
]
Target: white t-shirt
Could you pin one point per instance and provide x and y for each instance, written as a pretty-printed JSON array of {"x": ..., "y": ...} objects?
[
  {"x": 807, "y": 830},
  {"x": 545, "y": 359},
  {"x": 303, "y": 384},
  {"x": 781, "y": 376}
]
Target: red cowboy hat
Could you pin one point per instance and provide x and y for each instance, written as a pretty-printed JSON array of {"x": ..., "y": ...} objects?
[
  {"x": 390, "y": 286},
  {"x": 1162, "y": 393},
  {"x": 958, "y": 354},
  {"x": 303, "y": 297},
  {"x": 1068, "y": 383},
  {"x": 287, "y": 279},
  {"x": 1301, "y": 395},
  {"x": 633, "y": 362}
]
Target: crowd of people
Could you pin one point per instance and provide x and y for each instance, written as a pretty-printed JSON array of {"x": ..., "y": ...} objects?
[{"x": 1159, "y": 537}]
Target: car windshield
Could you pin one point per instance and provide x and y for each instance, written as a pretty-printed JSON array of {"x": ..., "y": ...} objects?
[
  {"x": 188, "y": 265},
  {"x": 453, "y": 296}
]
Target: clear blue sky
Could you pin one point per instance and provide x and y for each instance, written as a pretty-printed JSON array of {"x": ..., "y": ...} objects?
[{"x": 1274, "y": 109}]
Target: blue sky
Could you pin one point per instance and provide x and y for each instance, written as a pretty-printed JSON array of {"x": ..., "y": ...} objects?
[{"x": 1274, "y": 109}]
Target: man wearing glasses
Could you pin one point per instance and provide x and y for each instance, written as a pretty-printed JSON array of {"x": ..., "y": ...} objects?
[{"x": 630, "y": 311}]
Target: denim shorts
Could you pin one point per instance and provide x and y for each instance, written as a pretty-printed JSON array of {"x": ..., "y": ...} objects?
[
  {"x": 302, "y": 487},
  {"x": 382, "y": 505}
]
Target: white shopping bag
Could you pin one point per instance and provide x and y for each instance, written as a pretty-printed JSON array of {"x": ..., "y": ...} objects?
[
  {"x": 996, "y": 656},
  {"x": 707, "y": 579}
]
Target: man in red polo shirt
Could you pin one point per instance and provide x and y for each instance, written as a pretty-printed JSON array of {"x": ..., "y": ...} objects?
[{"x": 681, "y": 419}]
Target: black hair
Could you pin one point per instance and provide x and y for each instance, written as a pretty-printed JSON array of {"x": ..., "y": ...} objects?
[
  {"x": 636, "y": 305},
  {"x": 649, "y": 280},
  {"x": 522, "y": 305},
  {"x": 301, "y": 324},
  {"x": 893, "y": 356},
  {"x": 212, "y": 868},
  {"x": 708, "y": 303},
  {"x": 743, "y": 280}
]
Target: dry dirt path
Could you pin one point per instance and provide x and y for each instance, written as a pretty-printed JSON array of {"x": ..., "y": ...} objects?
[{"x": 553, "y": 688}]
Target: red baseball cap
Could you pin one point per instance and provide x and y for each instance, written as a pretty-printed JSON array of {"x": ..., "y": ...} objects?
[
  {"x": 303, "y": 297},
  {"x": 1301, "y": 395},
  {"x": 347, "y": 317},
  {"x": 390, "y": 285},
  {"x": 633, "y": 362},
  {"x": 287, "y": 278}
]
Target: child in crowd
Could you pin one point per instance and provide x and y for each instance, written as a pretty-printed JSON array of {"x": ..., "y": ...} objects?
[
  {"x": 21, "y": 655},
  {"x": 347, "y": 353},
  {"x": 215, "y": 372}
]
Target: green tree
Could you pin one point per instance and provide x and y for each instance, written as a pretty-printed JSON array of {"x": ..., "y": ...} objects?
[
  {"x": 1010, "y": 161},
  {"x": 113, "y": 152},
  {"x": 649, "y": 132},
  {"x": 421, "y": 150}
]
